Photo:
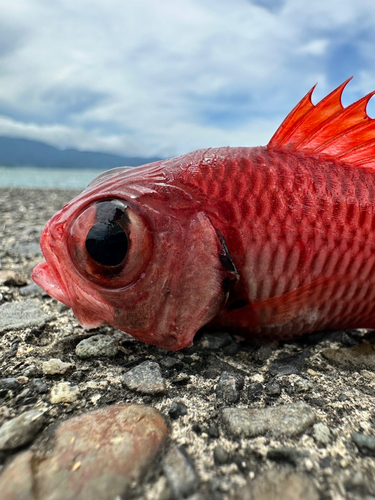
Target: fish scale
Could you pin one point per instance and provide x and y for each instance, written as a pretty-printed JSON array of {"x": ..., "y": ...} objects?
[{"x": 274, "y": 241}]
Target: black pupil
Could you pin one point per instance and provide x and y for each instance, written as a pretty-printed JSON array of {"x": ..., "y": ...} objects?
[{"x": 107, "y": 242}]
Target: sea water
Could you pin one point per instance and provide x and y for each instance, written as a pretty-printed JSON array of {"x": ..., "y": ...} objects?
[{"x": 46, "y": 178}]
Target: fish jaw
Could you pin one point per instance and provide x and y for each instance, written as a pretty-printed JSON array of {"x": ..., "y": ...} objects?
[{"x": 43, "y": 277}]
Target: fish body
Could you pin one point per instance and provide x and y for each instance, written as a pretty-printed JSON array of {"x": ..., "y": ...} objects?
[{"x": 272, "y": 241}]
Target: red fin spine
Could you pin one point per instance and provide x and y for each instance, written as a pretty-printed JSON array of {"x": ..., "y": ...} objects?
[{"x": 329, "y": 129}]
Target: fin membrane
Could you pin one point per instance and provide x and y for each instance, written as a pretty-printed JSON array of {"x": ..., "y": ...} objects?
[{"x": 329, "y": 129}]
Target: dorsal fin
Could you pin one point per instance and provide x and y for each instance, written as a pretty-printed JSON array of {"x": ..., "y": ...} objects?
[{"x": 327, "y": 128}]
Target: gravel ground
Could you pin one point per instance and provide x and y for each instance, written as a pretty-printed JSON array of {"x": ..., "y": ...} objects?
[{"x": 221, "y": 420}]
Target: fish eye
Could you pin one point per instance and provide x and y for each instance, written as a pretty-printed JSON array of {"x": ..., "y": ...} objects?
[
  {"x": 107, "y": 243},
  {"x": 110, "y": 242}
]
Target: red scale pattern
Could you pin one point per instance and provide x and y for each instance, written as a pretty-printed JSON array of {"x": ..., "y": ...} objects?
[{"x": 300, "y": 230}]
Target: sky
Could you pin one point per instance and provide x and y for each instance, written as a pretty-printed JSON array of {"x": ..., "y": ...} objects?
[{"x": 165, "y": 77}]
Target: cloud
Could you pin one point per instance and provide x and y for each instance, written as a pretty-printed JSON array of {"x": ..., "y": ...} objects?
[{"x": 161, "y": 78}]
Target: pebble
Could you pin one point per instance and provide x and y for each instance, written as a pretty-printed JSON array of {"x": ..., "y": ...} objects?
[
  {"x": 303, "y": 385},
  {"x": 27, "y": 249},
  {"x": 97, "y": 455},
  {"x": 288, "y": 455},
  {"x": 98, "y": 345},
  {"x": 365, "y": 444},
  {"x": 279, "y": 484},
  {"x": 288, "y": 365},
  {"x": 288, "y": 420},
  {"x": 215, "y": 341},
  {"x": 322, "y": 433},
  {"x": 358, "y": 357},
  {"x": 32, "y": 290},
  {"x": 55, "y": 366},
  {"x": 11, "y": 278},
  {"x": 221, "y": 456},
  {"x": 39, "y": 386},
  {"x": 64, "y": 393},
  {"x": 263, "y": 353},
  {"x": 21, "y": 430},
  {"x": 9, "y": 384},
  {"x": 22, "y": 314},
  {"x": 145, "y": 378},
  {"x": 177, "y": 409},
  {"x": 180, "y": 473},
  {"x": 229, "y": 386},
  {"x": 273, "y": 389}
]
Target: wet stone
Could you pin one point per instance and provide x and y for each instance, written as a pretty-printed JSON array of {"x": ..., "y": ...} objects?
[
  {"x": 64, "y": 393},
  {"x": 322, "y": 434},
  {"x": 145, "y": 378},
  {"x": 98, "y": 345},
  {"x": 21, "y": 430},
  {"x": 365, "y": 444},
  {"x": 177, "y": 409},
  {"x": 361, "y": 356},
  {"x": 180, "y": 473},
  {"x": 55, "y": 367},
  {"x": 97, "y": 455},
  {"x": 229, "y": 386},
  {"x": 288, "y": 420},
  {"x": 279, "y": 484},
  {"x": 23, "y": 314}
]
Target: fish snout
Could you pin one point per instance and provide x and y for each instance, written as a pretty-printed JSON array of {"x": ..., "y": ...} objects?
[{"x": 46, "y": 279}]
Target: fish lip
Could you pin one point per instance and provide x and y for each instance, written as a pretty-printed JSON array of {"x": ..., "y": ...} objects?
[{"x": 44, "y": 277}]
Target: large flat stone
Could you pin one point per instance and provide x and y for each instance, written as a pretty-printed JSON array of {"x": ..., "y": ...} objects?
[
  {"x": 98, "y": 455},
  {"x": 22, "y": 314}
]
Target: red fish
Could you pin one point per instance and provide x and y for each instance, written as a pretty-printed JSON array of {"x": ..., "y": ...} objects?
[{"x": 272, "y": 241}]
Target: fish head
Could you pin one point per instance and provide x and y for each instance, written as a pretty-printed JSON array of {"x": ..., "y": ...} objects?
[{"x": 135, "y": 263}]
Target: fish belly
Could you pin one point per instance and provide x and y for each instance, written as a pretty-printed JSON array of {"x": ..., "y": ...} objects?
[{"x": 301, "y": 232}]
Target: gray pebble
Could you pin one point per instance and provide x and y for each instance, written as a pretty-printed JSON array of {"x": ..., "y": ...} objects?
[
  {"x": 279, "y": 484},
  {"x": 32, "y": 290},
  {"x": 288, "y": 365},
  {"x": 214, "y": 341},
  {"x": 322, "y": 433},
  {"x": 221, "y": 456},
  {"x": 365, "y": 444},
  {"x": 229, "y": 386},
  {"x": 55, "y": 367},
  {"x": 39, "y": 386},
  {"x": 146, "y": 378},
  {"x": 16, "y": 315},
  {"x": 273, "y": 389},
  {"x": 21, "y": 430},
  {"x": 177, "y": 409},
  {"x": 27, "y": 249},
  {"x": 9, "y": 384},
  {"x": 288, "y": 420},
  {"x": 180, "y": 473},
  {"x": 98, "y": 345}
]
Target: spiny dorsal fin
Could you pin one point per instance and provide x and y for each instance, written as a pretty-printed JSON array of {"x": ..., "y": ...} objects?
[{"x": 327, "y": 128}]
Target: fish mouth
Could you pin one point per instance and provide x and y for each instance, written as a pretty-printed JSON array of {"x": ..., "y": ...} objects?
[{"x": 46, "y": 279}]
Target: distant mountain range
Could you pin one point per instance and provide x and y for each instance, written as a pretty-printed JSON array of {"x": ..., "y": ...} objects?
[{"x": 16, "y": 152}]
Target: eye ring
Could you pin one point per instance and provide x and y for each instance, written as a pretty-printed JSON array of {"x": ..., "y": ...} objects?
[{"x": 110, "y": 242}]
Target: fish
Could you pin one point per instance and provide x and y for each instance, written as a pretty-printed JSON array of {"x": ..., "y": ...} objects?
[{"x": 271, "y": 242}]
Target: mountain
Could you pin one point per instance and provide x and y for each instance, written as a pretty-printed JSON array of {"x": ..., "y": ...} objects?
[{"x": 24, "y": 152}]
